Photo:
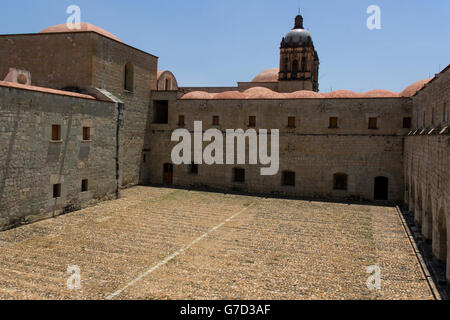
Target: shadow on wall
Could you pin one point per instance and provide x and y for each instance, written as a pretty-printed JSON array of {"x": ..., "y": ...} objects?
[
  {"x": 11, "y": 144},
  {"x": 61, "y": 168}
]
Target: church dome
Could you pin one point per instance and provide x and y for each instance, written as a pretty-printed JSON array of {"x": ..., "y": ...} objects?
[
  {"x": 297, "y": 36},
  {"x": 84, "y": 27},
  {"x": 269, "y": 75},
  {"x": 412, "y": 89}
]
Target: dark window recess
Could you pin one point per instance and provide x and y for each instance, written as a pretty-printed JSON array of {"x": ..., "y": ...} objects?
[
  {"x": 216, "y": 120},
  {"x": 373, "y": 123},
  {"x": 167, "y": 85},
  {"x": 239, "y": 175},
  {"x": 144, "y": 158},
  {"x": 291, "y": 122},
  {"x": 340, "y": 181},
  {"x": 86, "y": 133},
  {"x": 84, "y": 185},
  {"x": 129, "y": 77},
  {"x": 161, "y": 111},
  {"x": 56, "y": 132},
  {"x": 57, "y": 190},
  {"x": 252, "y": 121},
  {"x": 333, "y": 122},
  {"x": 407, "y": 123},
  {"x": 181, "y": 121},
  {"x": 193, "y": 168},
  {"x": 289, "y": 178}
]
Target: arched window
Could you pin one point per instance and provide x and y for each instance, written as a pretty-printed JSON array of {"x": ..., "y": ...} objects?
[
  {"x": 340, "y": 181},
  {"x": 129, "y": 77},
  {"x": 294, "y": 69},
  {"x": 303, "y": 69},
  {"x": 285, "y": 65}
]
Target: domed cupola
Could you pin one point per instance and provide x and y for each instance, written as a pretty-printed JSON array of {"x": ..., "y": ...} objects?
[
  {"x": 299, "y": 61},
  {"x": 297, "y": 36}
]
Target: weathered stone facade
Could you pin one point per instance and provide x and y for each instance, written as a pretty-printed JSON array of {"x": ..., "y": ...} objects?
[
  {"x": 31, "y": 163},
  {"x": 427, "y": 163}
]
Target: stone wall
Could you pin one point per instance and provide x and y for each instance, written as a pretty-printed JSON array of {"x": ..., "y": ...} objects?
[
  {"x": 87, "y": 60},
  {"x": 312, "y": 150},
  {"x": 109, "y": 60},
  {"x": 31, "y": 163},
  {"x": 427, "y": 178}
]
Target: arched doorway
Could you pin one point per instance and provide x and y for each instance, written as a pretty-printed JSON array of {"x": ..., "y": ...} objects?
[
  {"x": 427, "y": 220},
  {"x": 168, "y": 174},
  {"x": 442, "y": 235},
  {"x": 381, "y": 188},
  {"x": 419, "y": 209},
  {"x": 412, "y": 198}
]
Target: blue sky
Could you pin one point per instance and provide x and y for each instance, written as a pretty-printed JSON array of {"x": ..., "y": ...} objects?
[{"x": 220, "y": 42}]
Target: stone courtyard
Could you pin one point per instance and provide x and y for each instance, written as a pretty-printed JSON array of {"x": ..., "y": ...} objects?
[{"x": 158, "y": 243}]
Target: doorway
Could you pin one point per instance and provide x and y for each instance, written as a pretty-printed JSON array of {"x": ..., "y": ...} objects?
[
  {"x": 381, "y": 188},
  {"x": 168, "y": 174}
]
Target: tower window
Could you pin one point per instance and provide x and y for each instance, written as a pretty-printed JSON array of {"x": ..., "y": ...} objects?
[
  {"x": 407, "y": 123},
  {"x": 291, "y": 122},
  {"x": 57, "y": 190},
  {"x": 216, "y": 120},
  {"x": 167, "y": 84},
  {"x": 333, "y": 122},
  {"x": 84, "y": 185},
  {"x": 56, "y": 132},
  {"x": 239, "y": 175},
  {"x": 289, "y": 178},
  {"x": 294, "y": 69},
  {"x": 340, "y": 181},
  {"x": 303, "y": 64},
  {"x": 252, "y": 121},
  {"x": 373, "y": 123},
  {"x": 129, "y": 77}
]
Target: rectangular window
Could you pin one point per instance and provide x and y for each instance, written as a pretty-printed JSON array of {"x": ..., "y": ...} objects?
[
  {"x": 373, "y": 123},
  {"x": 56, "y": 132},
  {"x": 193, "y": 168},
  {"x": 252, "y": 121},
  {"x": 333, "y": 122},
  {"x": 161, "y": 111},
  {"x": 86, "y": 133},
  {"x": 407, "y": 123},
  {"x": 216, "y": 120},
  {"x": 84, "y": 185},
  {"x": 239, "y": 175},
  {"x": 57, "y": 190},
  {"x": 291, "y": 122},
  {"x": 181, "y": 121},
  {"x": 289, "y": 178}
]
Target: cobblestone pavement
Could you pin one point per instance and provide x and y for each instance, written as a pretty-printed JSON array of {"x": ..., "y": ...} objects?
[{"x": 157, "y": 243}]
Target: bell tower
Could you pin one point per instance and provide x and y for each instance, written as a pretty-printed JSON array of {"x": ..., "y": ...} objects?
[{"x": 299, "y": 62}]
